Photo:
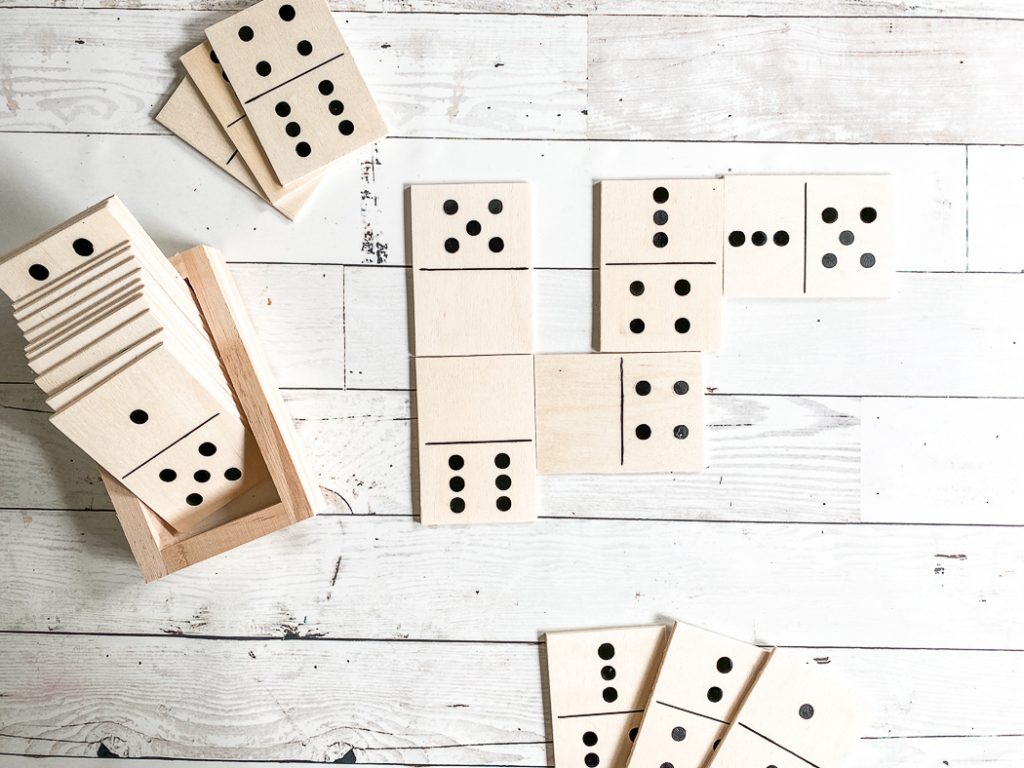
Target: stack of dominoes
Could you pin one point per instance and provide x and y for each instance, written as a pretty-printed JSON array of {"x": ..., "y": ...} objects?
[
  {"x": 118, "y": 345},
  {"x": 274, "y": 97},
  {"x": 668, "y": 250},
  {"x": 683, "y": 697}
]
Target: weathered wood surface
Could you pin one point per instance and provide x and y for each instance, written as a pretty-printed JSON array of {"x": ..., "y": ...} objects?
[
  {"x": 357, "y": 217},
  {"x": 467, "y": 703},
  {"x": 817, "y": 584},
  {"x": 99, "y": 71},
  {"x": 797, "y": 79},
  {"x": 997, "y": 9}
]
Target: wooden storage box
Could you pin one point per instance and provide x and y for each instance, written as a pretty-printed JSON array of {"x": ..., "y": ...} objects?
[{"x": 290, "y": 495}]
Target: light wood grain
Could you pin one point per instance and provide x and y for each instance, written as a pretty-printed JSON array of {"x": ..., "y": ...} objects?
[
  {"x": 797, "y": 79},
  {"x": 860, "y": 585},
  {"x": 479, "y": 704},
  {"x": 431, "y": 75}
]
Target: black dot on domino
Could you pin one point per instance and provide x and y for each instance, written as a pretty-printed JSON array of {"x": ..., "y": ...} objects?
[
  {"x": 263, "y": 68},
  {"x": 781, "y": 238},
  {"x": 457, "y": 483},
  {"x": 293, "y": 129},
  {"x": 830, "y": 215},
  {"x": 336, "y": 107},
  {"x": 867, "y": 260},
  {"x": 680, "y": 387},
  {"x": 667, "y": 765},
  {"x": 737, "y": 238},
  {"x": 193, "y": 499},
  {"x": 868, "y": 215},
  {"x": 138, "y": 416},
  {"x": 450, "y": 207},
  {"x": 590, "y": 738},
  {"x": 678, "y": 733},
  {"x": 207, "y": 449},
  {"x": 283, "y": 109},
  {"x": 495, "y": 206},
  {"x": 606, "y": 651},
  {"x": 473, "y": 227},
  {"x": 846, "y": 237},
  {"x": 636, "y": 325},
  {"x": 304, "y": 47},
  {"x": 759, "y": 238},
  {"x": 504, "y": 503},
  {"x": 633, "y": 733},
  {"x": 806, "y": 711},
  {"x": 346, "y": 127},
  {"x": 286, "y": 12},
  {"x": 213, "y": 57},
  {"x": 245, "y": 34},
  {"x": 168, "y": 475},
  {"x": 591, "y": 760},
  {"x": 302, "y": 149},
  {"x": 326, "y": 87},
  {"x": 502, "y": 461},
  {"x": 660, "y": 239},
  {"x": 232, "y": 474},
  {"x": 609, "y": 694},
  {"x": 714, "y": 694},
  {"x": 680, "y": 432},
  {"x": 829, "y": 260},
  {"x": 82, "y": 247},
  {"x": 682, "y": 325},
  {"x": 643, "y": 432},
  {"x": 457, "y": 505},
  {"x": 724, "y": 665},
  {"x": 451, "y": 245},
  {"x": 682, "y": 287},
  {"x": 201, "y": 476},
  {"x": 38, "y": 272},
  {"x": 643, "y": 388},
  {"x": 496, "y": 245},
  {"x": 608, "y": 672},
  {"x": 456, "y": 462},
  {"x": 503, "y": 482},
  {"x": 660, "y": 218},
  {"x": 637, "y": 288},
  {"x": 660, "y": 195}
]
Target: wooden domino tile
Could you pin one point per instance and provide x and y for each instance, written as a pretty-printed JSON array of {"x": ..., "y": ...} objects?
[
  {"x": 701, "y": 682},
  {"x": 795, "y": 715},
  {"x": 475, "y": 434},
  {"x": 660, "y": 265},
  {"x": 808, "y": 236},
  {"x": 472, "y": 268},
  {"x": 598, "y": 683},
  {"x": 290, "y": 69},
  {"x": 630, "y": 413}
]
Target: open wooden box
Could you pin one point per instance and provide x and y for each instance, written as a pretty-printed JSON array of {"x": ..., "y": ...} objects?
[{"x": 290, "y": 495}]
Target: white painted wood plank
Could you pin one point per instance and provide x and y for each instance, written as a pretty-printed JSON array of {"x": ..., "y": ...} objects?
[
  {"x": 365, "y": 577},
  {"x": 432, "y": 74},
  {"x": 1003, "y": 9},
  {"x": 942, "y": 335},
  {"x": 795, "y": 79},
  {"x": 955, "y": 461},
  {"x": 995, "y": 191},
  {"x": 929, "y": 185},
  {"x": 769, "y": 459},
  {"x": 358, "y": 216},
  {"x": 393, "y": 702},
  {"x": 963, "y": 752}
]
